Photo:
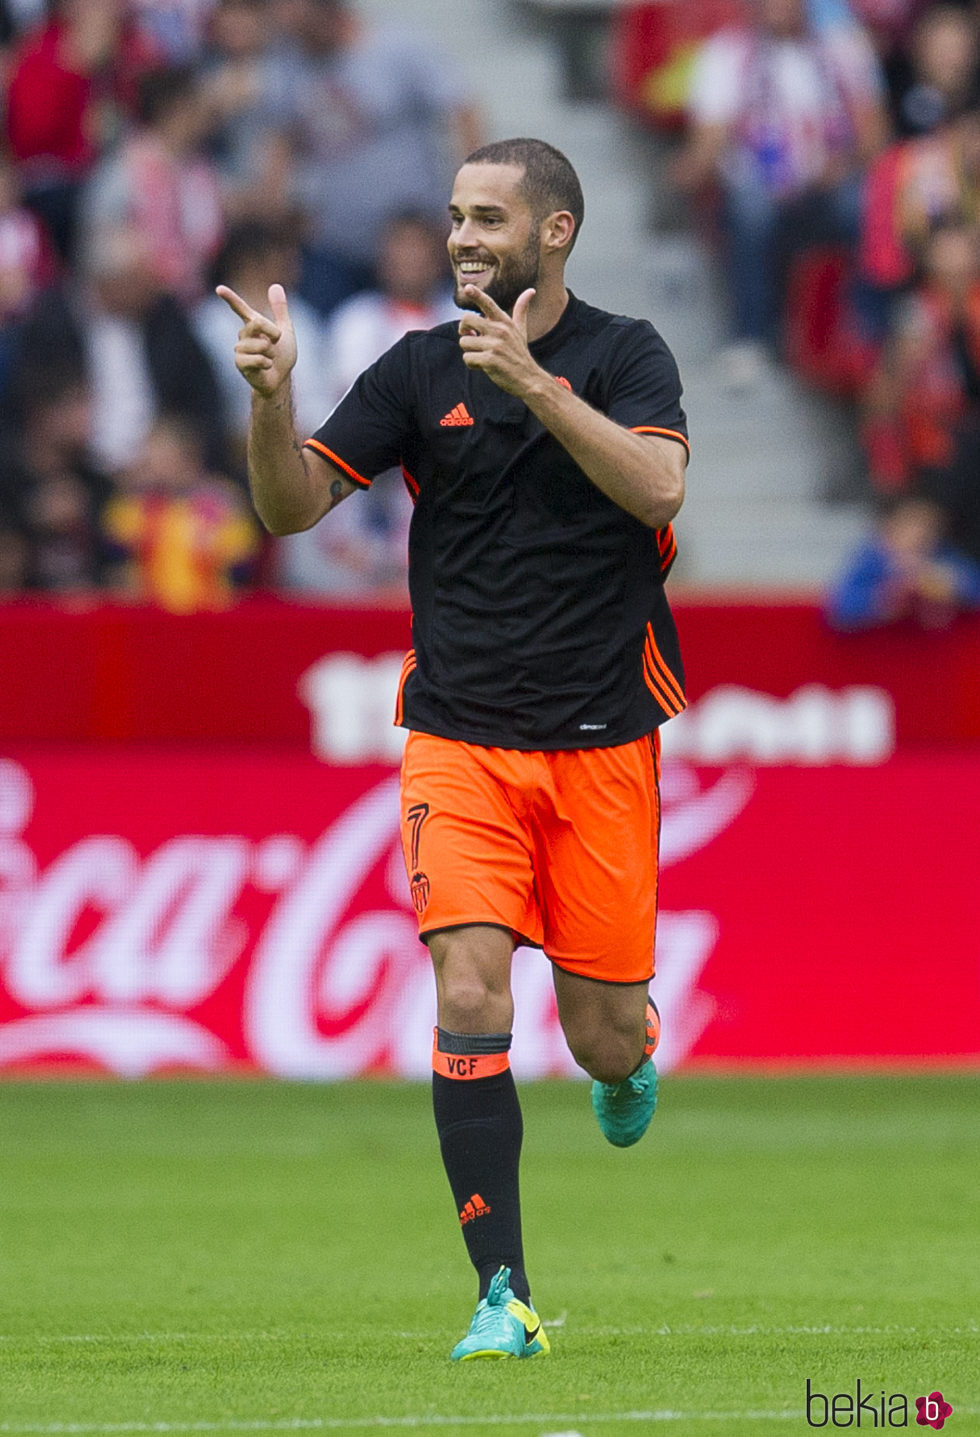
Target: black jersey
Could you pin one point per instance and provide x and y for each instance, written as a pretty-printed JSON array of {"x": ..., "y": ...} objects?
[{"x": 539, "y": 619}]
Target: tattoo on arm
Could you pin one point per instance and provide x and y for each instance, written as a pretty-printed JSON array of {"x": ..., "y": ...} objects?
[{"x": 336, "y": 493}]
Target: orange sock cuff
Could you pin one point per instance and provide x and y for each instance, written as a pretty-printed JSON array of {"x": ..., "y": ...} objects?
[
  {"x": 653, "y": 1030},
  {"x": 465, "y": 1056}
]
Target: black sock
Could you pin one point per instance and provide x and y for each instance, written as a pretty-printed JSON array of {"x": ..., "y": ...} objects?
[{"x": 478, "y": 1119}]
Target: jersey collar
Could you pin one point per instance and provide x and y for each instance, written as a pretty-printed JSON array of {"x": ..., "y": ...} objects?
[{"x": 556, "y": 336}]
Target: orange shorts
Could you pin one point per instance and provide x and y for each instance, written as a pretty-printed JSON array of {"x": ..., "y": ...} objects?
[{"x": 561, "y": 848}]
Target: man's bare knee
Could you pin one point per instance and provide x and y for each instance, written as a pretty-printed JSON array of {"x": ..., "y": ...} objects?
[
  {"x": 608, "y": 1057},
  {"x": 466, "y": 1004},
  {"x": 472, "y": 968},
  {"x": 604, "y": 1024}
]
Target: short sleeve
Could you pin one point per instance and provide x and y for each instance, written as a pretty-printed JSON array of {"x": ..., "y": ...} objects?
[
  {"x": 365, "y": 434},
  {"x": 644, "y": 386}
]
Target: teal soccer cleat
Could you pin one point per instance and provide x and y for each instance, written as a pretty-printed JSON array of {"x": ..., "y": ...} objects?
[
  {"x": 502, "y": 1326},
  {"x": 624, "y": 1109}
]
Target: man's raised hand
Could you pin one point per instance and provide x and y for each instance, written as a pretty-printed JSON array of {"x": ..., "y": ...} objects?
[
  {"x": 496, "y": 342},
  {"x": 266, "y": 348}
]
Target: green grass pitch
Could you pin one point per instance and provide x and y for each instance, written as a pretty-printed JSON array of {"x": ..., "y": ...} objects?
[{"x": 181, "y": 1257}]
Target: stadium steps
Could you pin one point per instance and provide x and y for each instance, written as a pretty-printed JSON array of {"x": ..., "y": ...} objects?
[{"x": 757, "y": 514}]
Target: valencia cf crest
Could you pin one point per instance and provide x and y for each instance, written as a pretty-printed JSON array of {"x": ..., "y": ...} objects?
[{"x": 420, "y": 891}]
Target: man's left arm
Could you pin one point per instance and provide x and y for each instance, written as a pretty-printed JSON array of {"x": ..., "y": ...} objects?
[{"x": 642, "y": 473}]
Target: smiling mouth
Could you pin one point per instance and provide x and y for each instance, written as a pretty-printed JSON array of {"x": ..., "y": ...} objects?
[{"x": 470, "y": 271}]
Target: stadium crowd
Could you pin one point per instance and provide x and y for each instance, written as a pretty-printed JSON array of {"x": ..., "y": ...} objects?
[
  {"x": 831, "y": 149},
  {"x": 152, "y": 147}
]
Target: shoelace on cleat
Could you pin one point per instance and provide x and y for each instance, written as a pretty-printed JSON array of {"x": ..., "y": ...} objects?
[
  {"x": 485, "y": 1319},
  {"x": 498, "y": 1288}
]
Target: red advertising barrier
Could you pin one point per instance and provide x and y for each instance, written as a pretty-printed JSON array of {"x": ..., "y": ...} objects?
[
  {"x": 200, "y": 869},
  {"x": 249, "y": 910},
  {"x": 117, "y": 671}
]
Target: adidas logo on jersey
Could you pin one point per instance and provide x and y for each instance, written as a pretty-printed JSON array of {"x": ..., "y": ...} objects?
[{"x": 460, "y": 415}]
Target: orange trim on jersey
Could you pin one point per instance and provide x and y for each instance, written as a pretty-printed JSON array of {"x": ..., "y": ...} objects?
[
  {"x": 670, "y": 433},
  {"x": 659, "y": 666},
  {"x": 663, "y": 679},
  {"x": 411, "y": 484},
  {"x": 467, "y": 1066},
  {"x": 664, "y": 669},
  {"x": 336, "y": 459},
  {"x": 656, "y": 687},
  {"x": 667, "y": 544},
  {"x": 408, "y": 667}
]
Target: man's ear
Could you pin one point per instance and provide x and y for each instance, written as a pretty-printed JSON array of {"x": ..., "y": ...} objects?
[{"x": 557, "y": 230}]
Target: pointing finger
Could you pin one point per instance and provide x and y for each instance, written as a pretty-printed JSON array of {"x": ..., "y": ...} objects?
[
  {"x": 235, "y": 302},
  {"x": 485, "y": 303}
]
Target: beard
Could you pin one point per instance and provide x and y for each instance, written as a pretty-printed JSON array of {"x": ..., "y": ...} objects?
[{"x": 511, "y": 278}]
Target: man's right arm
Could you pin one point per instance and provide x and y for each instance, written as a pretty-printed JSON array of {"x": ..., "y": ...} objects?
[{"x": 292, "y": 487}]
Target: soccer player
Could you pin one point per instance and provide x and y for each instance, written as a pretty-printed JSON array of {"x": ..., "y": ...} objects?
[{"x": 545, "y": 446}]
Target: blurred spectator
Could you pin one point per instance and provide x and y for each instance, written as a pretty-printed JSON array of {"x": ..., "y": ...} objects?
[
  {"x": 927, "y": 381},
  {"x": 912, "y": 187},
  {"x": 15, "y": 550},
  {"x": 134, "y": 343},
  {"x": 255, "y": 163},
  {"x": 73, "y": 78},
  {"x": 8, "y": 32},
  {"x": 364, "y": 546},
  {"x": 254, "y": 257},
  {"x": 176, "y": 27},
  {"x": 25, "y": 14},
  {"x": 906, "y": 568},
  {"x": 157, "y": 185},
  {"x": 27, "y": 264},
  {"x": 935, "y": 78},
  {"x": 52, "y": 487},
  {"x": 955, "y": 487},
  {"x": 783, "y": 118},
  {"x": 414, "y": 292},
  {"x": 379, "y": 122},
  {"x": 182, "y": 537}
]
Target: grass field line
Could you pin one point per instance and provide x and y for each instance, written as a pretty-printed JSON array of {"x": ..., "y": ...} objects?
[
  {"x": 663, "y": 1330},
  {"x": 415, "y": 1423},
  {"x": 328, "y": 1424}
]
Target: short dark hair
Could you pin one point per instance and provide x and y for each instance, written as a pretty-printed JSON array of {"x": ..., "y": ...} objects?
[{"x": 549, "y": 183}]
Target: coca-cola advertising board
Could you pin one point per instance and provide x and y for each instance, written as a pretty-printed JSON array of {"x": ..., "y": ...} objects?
[
  {"x": 247, "y": 911},
  {"x": 200, "y": 867}
]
